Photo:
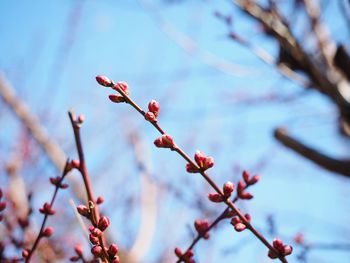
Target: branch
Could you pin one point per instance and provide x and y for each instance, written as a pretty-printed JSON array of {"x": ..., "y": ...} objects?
[{"x": 334, "y": 165}]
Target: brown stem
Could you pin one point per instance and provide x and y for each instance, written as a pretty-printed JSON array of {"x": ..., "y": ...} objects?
[
  {"x": 38, "y": 238},
  {"x": 228, "y": 202},
  {"x": 87, "y": 183}
]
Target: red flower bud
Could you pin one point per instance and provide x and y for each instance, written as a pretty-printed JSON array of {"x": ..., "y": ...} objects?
[
  {"x": 83, "y": 210},
  {"x": 2, "y": 206},
  {"x": 287, "y": 250},
  {"x": 95, "y": 232},
  {"x": 112, "y": 250},
  {"x": 178, "y": 252},
  {"x": 202, "y": 226},
  {"x": 246, "y": 176},
  {"x": 25, "y": 253},
  {"x": 254, "y": 179},
  {"x": 216, "y": 198},
  {"x": 103, "y": 223},
  {"x": 166, "y": 141},
  {"x": 191, "y": 168},
  {"x": 75, "y": 164},
  {"x": 149, "y": 116},
  {"x": 79, "y": 250},
  {"x": 47, "y": 210},
  {"x": 122, "y": 85},
  {"x": 228, "y": 189},
  {"x": 154, "y": 107},
  {"x": 100, "y": 200},
  {"x": 245, "y": 195},
  {"x": 48, "y": 232},
  {"x": 96, "y": 251},
  {"x": 203, "y": 161},
  {"x": 239, "y": 227},
  {"x": 94, "y": 239},
  {"x": 116, "y": 98},
  {"x": 81, "y": 118},
  {"x": 103, "y": 81},
  {"x": 74, "y": 259}
]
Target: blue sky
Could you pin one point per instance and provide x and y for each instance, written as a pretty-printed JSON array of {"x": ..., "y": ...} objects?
[{"x": 51, "y": 51}]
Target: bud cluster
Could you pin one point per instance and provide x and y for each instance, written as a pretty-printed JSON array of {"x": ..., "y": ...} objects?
[
  {"x": 186, "y": 257},
  {"x": 120, "y": 86},
  {"x": 47, "y": 210},
  {"x": 238, "y": 224},
  {"x": 165, "y": 141},
  {"x": 283, "y": 250},
  {"x": 57, "y": 181},
  {"x": 153, "y": 111},
  {"x": 204, "y": 162}
]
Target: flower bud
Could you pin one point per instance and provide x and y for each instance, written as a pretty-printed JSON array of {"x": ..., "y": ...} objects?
[
  {"x": 154, "y": 107},
  {"x": 2, "y": 206},
  {"x": 25, "y": 253},
  {"x": 94, "y": 239},
  {"x": 254, "y": 179},
  {"x": 100, "y": 200},
  {"x": 191, "y": 168},
  {"x": 178, "y": 252},
  {"x": 96, "y": 251},
  {"x": 48, "y": 231},
  {"x": 83, "y": 210},
  {"x": 228, "y": 189},
  {"x": 103, "y": 223},
  {"x": 116, "y": 98},
  {"x": 215, "y": 197},
  {"x": 74, "y": 259},
  {"x": 166, "y": 141},
  {"x": 47, "y": 209},
  {"x": 122, "y": 85},
  {"x": 103, "y": 81},
  {"x": 112, "y": 250},
  {"x": 79, "y": 250},
  {"x": 149, "y": 116},
  {"x": 246, "y": 176}
]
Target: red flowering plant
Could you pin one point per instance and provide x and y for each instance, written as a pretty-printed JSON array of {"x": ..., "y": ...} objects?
[{"x": 200, "y": 164}]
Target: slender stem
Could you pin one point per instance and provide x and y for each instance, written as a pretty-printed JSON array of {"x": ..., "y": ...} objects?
[
  {"x": 87, "y": 182},
  {"x": 38, "y": 238},
  {"x": 227, "y": 201}
]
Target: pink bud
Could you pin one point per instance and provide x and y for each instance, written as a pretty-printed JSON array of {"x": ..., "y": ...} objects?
[
  {"x": 2, "y": 206},
  {"x": 149, "y": 116},
  {"x": 208, "y": 163},
  {"x": 95, "y": 232},
  {"x": 278, "y": 244},
  {"x": 248, "y": 217},
  {"x": 47, "y": 232},
  {"x": 158, "y": 142},
  {"x": 93, "y": 239},
  {"x": 75, "y": 164},
  {"x": 241, "y": 186},
  {"x": 79, "y": 250},
  {"x": 25, "y": 253},
  {"x": 246, "y": 176},
  {"x": 113, "y": 250},
  {"x": 201, "y": 226},
  {"x": 122, "y": 85},
  {"x": 178, "y": 252},
  {"x": 83, "y": 210},
  {"x": 245, "y": 195},
  {"x": 254, "y": 179},
  {"x": 228, "y": 189},
  {"x": 287, "y": 250},
  {"x": 103, "y": 81},
  {"x": 153, "y": 106},
  {"x": 100, "y": 200},
  {"x": 46, "y": 209},
  {"x": 81, "y": 118},
  {"x": 191, "y": 168},
  {"x": 240, "y": 227},
  {"x": 215, "y": 197},
  {"x": 96, "y": 251},
  {"x": 74, "y": 259},
  {"x": 199, "y": 157},
  {"x": 116, "y": 98},
  {"x": 103, "y": 223}
]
